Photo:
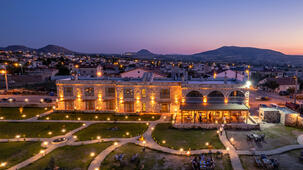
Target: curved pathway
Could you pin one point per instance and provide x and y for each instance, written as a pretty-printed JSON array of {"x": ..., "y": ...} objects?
[{"x": 149, "y": 142}]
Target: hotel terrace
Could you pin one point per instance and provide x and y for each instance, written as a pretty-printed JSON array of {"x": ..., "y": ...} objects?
[{"x": 205, "y": 101}]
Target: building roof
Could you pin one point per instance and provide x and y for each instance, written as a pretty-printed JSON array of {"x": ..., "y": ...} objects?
[
  {"x": 284, "y": 80},
  {"x": 221, "y": 107}
]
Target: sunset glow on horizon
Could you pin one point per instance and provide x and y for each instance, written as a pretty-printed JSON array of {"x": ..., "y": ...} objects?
[{"x": 161, "y": 26}]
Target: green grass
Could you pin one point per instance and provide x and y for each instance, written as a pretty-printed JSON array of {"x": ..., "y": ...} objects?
[
  {"x": 69, "y": 157},
  {"x": 154, "y": 160},
  {"x": 16, "y": 152},
  {"x": 187, "y": 139},
  {"x": 104, "y": 130},
  {"x": 100, "y": 116},
  {"x": 34, "y": 129},
  {"x": 13, "y": 113}
]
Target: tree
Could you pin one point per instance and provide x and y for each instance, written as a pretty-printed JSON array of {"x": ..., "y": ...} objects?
[
  {"x": 63, "y": 71},
  {"x": 271, "y": 84},
  {"x": 291, "y": 90}
]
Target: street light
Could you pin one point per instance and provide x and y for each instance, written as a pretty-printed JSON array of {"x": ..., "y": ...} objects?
[{"x": 4, "y": 72}]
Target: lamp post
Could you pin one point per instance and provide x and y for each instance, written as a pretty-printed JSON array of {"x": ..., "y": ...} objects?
[{"x": 5, "y": 75}]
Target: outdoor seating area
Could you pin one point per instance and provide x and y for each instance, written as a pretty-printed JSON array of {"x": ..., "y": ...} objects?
[
  {"x": 255, "y": 137},
  {"x": 264, "y": 161},
  {"x": 203, "y": 162}
]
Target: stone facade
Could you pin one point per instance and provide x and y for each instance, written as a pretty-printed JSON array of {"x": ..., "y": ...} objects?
[{"x": 136, "y": 95}]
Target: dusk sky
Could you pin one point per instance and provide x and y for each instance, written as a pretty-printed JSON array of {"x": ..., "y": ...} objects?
[{"x": 161, "y": 26}]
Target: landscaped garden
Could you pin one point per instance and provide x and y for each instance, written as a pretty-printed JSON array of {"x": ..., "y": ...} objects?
[
  {"x": 193, "y": 139},
  {"x": 150, "y": 159},
  {"x": 287, "y": 161},
  {"x": 12, "y": 153},
  {"x": 35, "y": 129},
  {"x": 18, "y": 113},
  {"x": 276, "y": 135},
  {"x": 69, "y": 157},
  {"x": 111, "y": 130},
  {"x": 100, "y": 116}
]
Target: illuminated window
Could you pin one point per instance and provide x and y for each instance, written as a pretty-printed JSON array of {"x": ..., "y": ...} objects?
[
  {"x": 90, "y": 105},
  {"x": 69, "y": 105},
  {"x": 128, "y": 106},
  {"x": 143, "y": 107},
  {"x": 68, "y": 91},
  {"x": 89, "y": 91},
  {"x": 164, "y": 108},
  {"x": 110, "y": 92},
  {"x": 128, "y": 93},
  {"x": 165, "y": 94},
  {"x": 110, "y": 105},
  {"x": 143, "y": 92}
]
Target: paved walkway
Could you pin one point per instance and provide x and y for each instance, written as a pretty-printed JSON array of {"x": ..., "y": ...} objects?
[
  {"x": 234, "y": 157},
  {"x": 149, "y": 143}
]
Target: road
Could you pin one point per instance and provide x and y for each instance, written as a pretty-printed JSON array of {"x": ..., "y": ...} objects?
[{"x": 274, "y": 98}]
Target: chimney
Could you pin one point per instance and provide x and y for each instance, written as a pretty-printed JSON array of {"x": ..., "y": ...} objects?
[
  {"x": 236, "y": 77},
  {"x": 225, "y": 77}
]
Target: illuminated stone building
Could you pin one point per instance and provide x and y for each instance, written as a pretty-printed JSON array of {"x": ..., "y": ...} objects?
[{"x": 191, "y": 101}]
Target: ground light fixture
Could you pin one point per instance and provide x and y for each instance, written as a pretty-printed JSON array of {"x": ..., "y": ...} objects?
[
  {"x": 115, "y": 143},
  {"x": 75, "y": 137},
  {"x": 231, "y": 139},
  {"x": 26, "y": 100},
  {"x": 163, "y": 141},
  {"x": 127, "y": 133},
  {"x": 248, "y": 84},
  {"x": 63, "y": 130},
  {"x": 50, "y": 133},
  {"x": 98, "y": 137},
  {"x": 181, "y": 149},
  {"x": 3, "y": 164},
  {"x": 17, "y": 136},
  {"x": 92, "y": 154}
]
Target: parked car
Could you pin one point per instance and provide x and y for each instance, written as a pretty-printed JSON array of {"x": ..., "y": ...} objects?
[
  {"x": 11, "y": 99},
  {"x": 274, "y": 105},
  {"x": 265, "y": 98},
  {"x": 47, "y": 100},
  {"x": 263, "y": 105},
  {"x": 283, "y": 93}
]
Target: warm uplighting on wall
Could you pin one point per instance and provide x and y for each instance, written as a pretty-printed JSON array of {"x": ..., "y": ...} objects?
[
  {"x": 99, "y": 97},
  {"x": 226, "y": 100},
  {"x": 79, "y": 97},
  {"x": 152, "y": 99},
  {"x": 183, "y": 100},
  {"x": 99, "y": 73},
  {"x": 138, "y": 99},
  {"x": 215, "y": 75},
  {"x": 204, "y": 99}
]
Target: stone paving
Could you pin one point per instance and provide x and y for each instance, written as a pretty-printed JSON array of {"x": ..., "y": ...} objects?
[{"x": 148, "y": 142}]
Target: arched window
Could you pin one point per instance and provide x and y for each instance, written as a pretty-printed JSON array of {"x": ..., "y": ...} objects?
[
  {"x": 236, "y": 97},
  {"x": 194, "y": 97},
  {"x": 215, "y": 97}
]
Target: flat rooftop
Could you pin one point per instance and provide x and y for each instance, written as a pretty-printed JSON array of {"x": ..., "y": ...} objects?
[{"x": 214, "y": 107}]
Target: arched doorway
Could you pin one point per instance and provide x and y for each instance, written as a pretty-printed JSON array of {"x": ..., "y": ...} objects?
[
  {"x": 236, "y": 97},
  {"x": 194, "y": 97},
  {"x": 215, "y": 97}
]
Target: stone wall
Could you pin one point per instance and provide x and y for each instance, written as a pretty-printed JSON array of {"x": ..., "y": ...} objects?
[{"x": 294, "y": 120}]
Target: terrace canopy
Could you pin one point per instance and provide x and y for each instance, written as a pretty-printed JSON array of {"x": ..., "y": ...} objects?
[{"x": 213, "y": 113}]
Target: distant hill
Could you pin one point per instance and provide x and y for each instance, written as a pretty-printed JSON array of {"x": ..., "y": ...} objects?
[
  {"x": 248, "y": 55},
  {"x": 46, "y": 49},
  {"x": 54, "y": 49},
  {"x": 144, "y": 52},
  {"x": 17, "y": 48}
]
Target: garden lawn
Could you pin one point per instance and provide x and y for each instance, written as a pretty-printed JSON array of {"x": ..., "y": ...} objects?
[
  {"x": 276, "y": 135},
  {"x": 13, "y": 113},
  {"x": 154, "y": 160},
  {"x": 111, "y": 130},
  {"x": 34, "y": 129},
  {"x": 100, "y": 116},
  {"x": 187, "y": 139},
  {"x": 69, "y": 157},
  {"x": 15, "y": 152}
]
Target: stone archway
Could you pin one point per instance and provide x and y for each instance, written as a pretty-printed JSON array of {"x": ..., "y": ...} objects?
[
  {"x": 236, "y": 96},
  {"x": 194, "y": 97},
  {"x": 215, "y": 97}
]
